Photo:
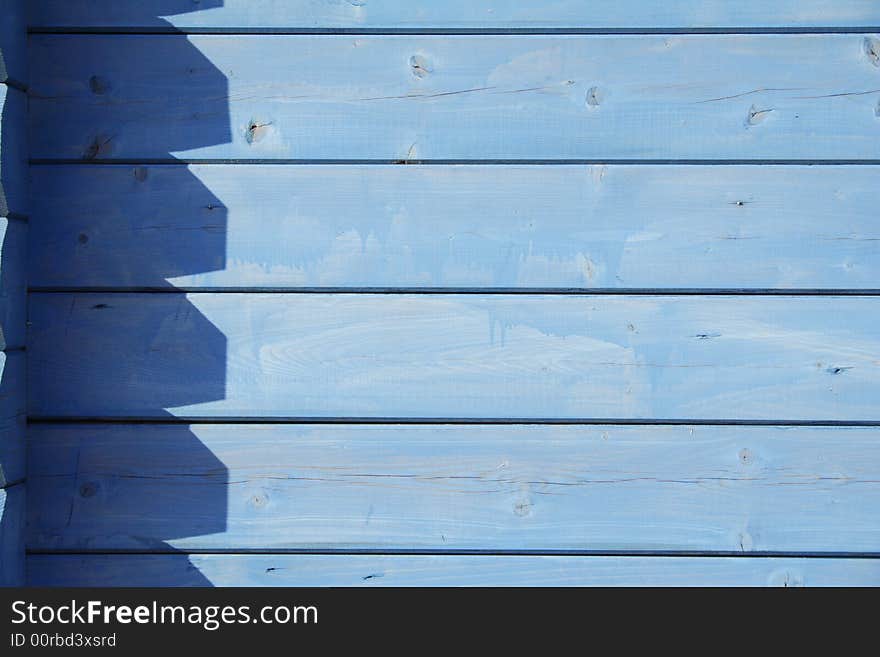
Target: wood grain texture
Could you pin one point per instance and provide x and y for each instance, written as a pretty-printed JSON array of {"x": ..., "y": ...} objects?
[
  {"x": 468, "y": 14},
  {"x": 454, "y": 356},
  {"x": 458, "y": 226},
  {"x": 13, "y": 42},
  {"x": 604, "y": 488},
  {"x": 13, "y": 151},
  {"x": 447, "y": 570},
  {"x": 12, "y": 418},
  {"x": 12, "y": 510},
  {"x": 403, "y": 98}
]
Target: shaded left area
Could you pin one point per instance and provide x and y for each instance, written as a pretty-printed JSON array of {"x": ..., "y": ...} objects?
[
  {"x": 13, "y": 233},
  {"x": 92, "y": 472}
]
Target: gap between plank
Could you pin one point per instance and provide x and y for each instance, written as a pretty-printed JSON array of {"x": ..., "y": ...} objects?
[
  {"x": 98, "y": 419},
  {"x": 488, "y": 291},
  {"x": 446, "y": 162},
  {"x": 444, "y": 31},
  {"x": 467, "y": 552}
]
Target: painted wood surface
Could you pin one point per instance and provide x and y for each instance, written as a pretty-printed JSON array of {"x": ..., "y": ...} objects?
[
  {"x": 12, "y": 418},
  {"x": 468, "y": 14},
  {"x": 13, "y": 42},
  {"x": 404, "y": 98},
  {"x": 454, "y": 356},
  {"x": 638, "y": 488},
  {"x": 446, "y": 570},
  {"x": 13, "y": 151},
  {"x": 13, "y": 251},
  {"x": 12, "y": 510},
  {"x": 457, "y": 226},
  {"x": 13, "y": 282},
  {"x": 678, "y": 107}
]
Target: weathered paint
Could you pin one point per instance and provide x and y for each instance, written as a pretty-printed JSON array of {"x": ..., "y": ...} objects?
[
  {"x": 454, "y": 356},
  {"x": 444, "y": 570},
  {"x": 681, "y": 163},
  {"x": 647, "y": 226},
  {"x": 405, "y": 98},
  {"x": 480, "y": 15},
  {"x": 387, "y": 487}
]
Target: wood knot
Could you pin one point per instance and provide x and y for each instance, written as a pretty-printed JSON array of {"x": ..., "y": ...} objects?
[
  {"x": 99, "y": 146},
  {"x": 89, "y": 489},
  {"x": 872, "y": 50},
  {"x": 522, "y": 508},
  {"x": 594, "y": 97},
  {"x": 746, "y": 457},
  {"x": 98, "y": 85},
  {"x": 260, "y": 500},
  {"x": 139, "y": 173},
  {"x": 756, "y": 116},
  {"x": 256, "y": 131},
  {"x": 419, "y": 66},
  {"x": 785, "y": 578}
]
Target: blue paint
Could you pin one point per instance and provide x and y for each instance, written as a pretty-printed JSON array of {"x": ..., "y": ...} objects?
[
  {"x": 457, "y": 226},
  {"x": 397, "y": 488},
  {"x": 112, "y": 115},
  {"x": 478, "y": 15},
  {"x": 453, "y": 356},
  {"x": 704, "y": 97},
  {"x": 13, "y": 265}
]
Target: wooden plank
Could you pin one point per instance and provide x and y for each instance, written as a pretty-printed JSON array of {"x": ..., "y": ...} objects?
[
  {"x": 391, "y": 487},
  {"x": 13, "y": 282},
  {"x": 12, "y": 417},
  {"x": 13, "y": 151},
  {"x": 12, "y": 567},
  {"x": 13, "y": 42},
  {"x": 459, "y": 226},
  {"x": 466, "y": 14},
  {"x": 454, "y": 356},
  {"x": 402, "y": 98},
  {"x": 446, "y": 570}
]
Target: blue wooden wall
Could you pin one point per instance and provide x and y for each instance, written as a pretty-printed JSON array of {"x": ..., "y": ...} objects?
[{"x": 376, "y": 292}]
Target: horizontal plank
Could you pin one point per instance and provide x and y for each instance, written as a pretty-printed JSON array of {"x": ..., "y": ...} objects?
[
  {"x": 639, "y": 488},
  {"x": 12, "y": 512},
  {"x": 13, "y": 42},
  {"x": 13, "y": 151},
  {"x": 453, "y": 356},
  {"x": 457, "y": 226},
  {"x": 446, "y": 570},
  {"x": 472, "y": 14},
  {"x": 728, "y": 97}
]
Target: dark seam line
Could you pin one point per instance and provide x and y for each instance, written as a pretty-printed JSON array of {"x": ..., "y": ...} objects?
[
  {"x": 449, "y": 162},
  {"x": 176, "y": 420},
  {"x": 15, "y": 84},
  {"x": 440, "y": 31},
  {"x": 16, "y": 216},
  {"x": 12, "y": 350},
  {"x": 460, "y": 552},
  {"x": 11, "y": 484},
  {"x": 469, "y": 291}
]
